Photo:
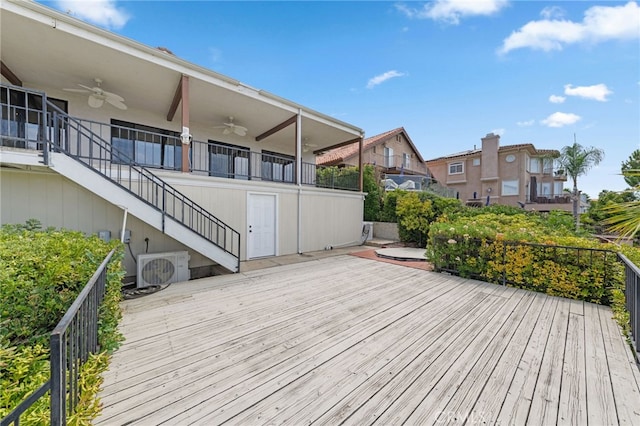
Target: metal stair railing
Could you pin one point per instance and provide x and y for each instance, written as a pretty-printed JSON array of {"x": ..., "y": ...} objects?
[{"x": 75, "y": 138}]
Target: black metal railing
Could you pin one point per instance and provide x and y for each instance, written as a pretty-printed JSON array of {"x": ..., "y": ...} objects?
[
  {"x": 632, "y": 301},
  {"x": 91, "y": 149},
  {"x": 529, "y": 265},
  {"x": 71, "y": 342}
]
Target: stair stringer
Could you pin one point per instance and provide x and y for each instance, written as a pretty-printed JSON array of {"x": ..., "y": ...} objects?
[{"x": 110, "y": 191}]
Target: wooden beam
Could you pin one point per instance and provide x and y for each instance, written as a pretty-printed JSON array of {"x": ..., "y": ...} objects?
[
  {"x": 177, "y": 97},
  {"x": 276, "y": 129},
  {"x": 184, "y": 94},
  {"x": 9, "y": 75},
  {"x": 338, "y": 145}
]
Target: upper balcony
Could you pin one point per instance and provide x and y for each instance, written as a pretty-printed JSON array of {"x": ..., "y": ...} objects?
[{"x": 27, "y": 124}]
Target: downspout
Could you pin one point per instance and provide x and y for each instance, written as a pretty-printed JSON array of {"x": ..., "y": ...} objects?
[{"x": 299, "y": 175}]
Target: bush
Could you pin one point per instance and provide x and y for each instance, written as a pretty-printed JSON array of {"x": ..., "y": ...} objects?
[
  {"x": 486, "y": 246},
  {"x": 42, "y": 273},
  {"x": 372, "y": 201}
]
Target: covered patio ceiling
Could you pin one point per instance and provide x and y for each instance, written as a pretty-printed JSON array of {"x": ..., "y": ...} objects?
[{"x": 63, "y": 52}]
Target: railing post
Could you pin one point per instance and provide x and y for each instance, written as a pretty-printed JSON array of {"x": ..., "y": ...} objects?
[
  {"x": 164, "y": 204},
  {"x": 58, "y": 386}
]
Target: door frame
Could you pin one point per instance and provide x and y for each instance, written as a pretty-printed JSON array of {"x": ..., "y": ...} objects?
[{"x": 276, "y": 230}]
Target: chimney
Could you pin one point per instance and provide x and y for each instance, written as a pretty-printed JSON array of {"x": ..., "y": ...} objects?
[{"x": 489, "y": 162}]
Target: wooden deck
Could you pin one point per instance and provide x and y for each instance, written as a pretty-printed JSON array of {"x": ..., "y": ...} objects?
[{"x": 355, "y": 341}]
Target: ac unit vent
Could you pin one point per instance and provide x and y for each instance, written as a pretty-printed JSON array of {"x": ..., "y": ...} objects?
[{"x": 162, "y": 268}]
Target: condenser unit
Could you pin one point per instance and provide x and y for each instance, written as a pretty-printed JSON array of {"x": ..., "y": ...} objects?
[{"x": 162, "y": 268}]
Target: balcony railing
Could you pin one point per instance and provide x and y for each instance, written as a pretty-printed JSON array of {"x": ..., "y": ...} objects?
[
  {"x": 71, "y": 342},
  {"x": 26, "y": 124}
]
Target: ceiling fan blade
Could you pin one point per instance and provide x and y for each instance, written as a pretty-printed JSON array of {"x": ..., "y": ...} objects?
[
  {"x": 113, "y": 96},
  {"x": 240, "y": 131},
  {"x": 77, "y": 90},
  {"x": 226, "y": 131},
  {"x": 116, "y": 103},
  {"x": 91, "y": 89},
  {"x": 95, "y": 102}
]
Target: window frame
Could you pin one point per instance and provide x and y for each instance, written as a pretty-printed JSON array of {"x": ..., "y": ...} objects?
[
  {"x": 510, "y": 183},
  {"x": 456, "y": 163},
  {"x": 136, "y": 145},
  {"x": 233, "y": 155}
]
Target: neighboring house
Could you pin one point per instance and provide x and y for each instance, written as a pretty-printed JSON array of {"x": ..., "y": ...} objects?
[
  {"x": 514, "y": 175},
  {"x": 149, "y": 139},
  {"x": 393, "y": 153}
]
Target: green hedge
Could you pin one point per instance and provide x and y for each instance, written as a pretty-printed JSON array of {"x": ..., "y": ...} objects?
[
  {"x": 41, "y": 273},
  {"x": 483, "y": 246}
]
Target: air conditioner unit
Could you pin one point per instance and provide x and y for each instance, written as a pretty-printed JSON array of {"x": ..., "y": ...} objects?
[{"x": 162, "y": 268}]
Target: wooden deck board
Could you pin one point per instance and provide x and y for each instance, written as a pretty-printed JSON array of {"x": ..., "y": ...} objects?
[{"x": 354, "y": 341}]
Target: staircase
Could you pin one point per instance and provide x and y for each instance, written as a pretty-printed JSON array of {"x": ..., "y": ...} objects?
[
  {"x": 85, "y": 157},
  {"x": 77, "y": 149}
]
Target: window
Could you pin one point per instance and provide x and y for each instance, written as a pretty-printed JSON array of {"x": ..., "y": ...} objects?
[
  {"x": 558, "y": 188},
  {"x": 547, "y": 166},
  {"x": 145, "y": 145},
  {"x": 388, "y": 157},
  {"x": 476, "y": 162},
  {"x": 406, "y": 160},
  {"x": 545, "y": 189},
  {"x": 535, "y": 165},
  {"x": 277, "y": 167},
  {"x": 228, "y": 161},
  {"x": 510, "y": 187},
  {"x": 456, "y": 168}
]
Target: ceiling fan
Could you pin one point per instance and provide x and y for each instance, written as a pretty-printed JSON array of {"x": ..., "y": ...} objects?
[
  {"x": 98, "y": 96},
  {"x": 306, "y": 145},
  {"x": 232, "y": 127}
]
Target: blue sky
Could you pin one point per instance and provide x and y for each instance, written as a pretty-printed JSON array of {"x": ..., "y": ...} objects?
[{"x": 447, "y": 71}]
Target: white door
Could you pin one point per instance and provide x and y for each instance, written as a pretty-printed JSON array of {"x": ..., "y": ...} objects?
[{"x": 262, "y": 225}]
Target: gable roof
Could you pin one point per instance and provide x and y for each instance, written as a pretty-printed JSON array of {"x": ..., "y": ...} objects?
[
  {"x": 528, "y": 146},
  {"x": 340, "y": 155}
]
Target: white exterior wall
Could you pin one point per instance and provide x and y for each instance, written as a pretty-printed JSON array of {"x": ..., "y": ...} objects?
[
  {"x": 58, "y": 202},
  {"x": 328, "y": 217}
]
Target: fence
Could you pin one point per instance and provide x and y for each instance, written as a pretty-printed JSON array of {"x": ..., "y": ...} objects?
[
  {"x": 632, "y": 300},
  {"x": 72, "y": 341}
]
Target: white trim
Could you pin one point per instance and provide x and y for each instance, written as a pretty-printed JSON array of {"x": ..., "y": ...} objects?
[
  {"x": 276, "y": 227},
  {"x": 449, "y": 164}
]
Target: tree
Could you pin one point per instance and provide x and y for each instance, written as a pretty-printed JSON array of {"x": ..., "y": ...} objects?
[
  {"x": 624, "y": 217},
  {"x": 577, "y": 160},
  {"x": 371, "y": 185},
  {"x": 633, "y": 163}
]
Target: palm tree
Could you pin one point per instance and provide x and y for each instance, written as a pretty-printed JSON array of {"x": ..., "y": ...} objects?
[
  {"x": 625, "y": 216},
  {"x": 576, "y": 161}
]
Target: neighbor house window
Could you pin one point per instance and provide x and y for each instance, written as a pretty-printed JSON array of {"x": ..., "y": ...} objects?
[
  {"x": 558, "y": 188},
  {"x": 388, "y": 157},
  {"x": 145, "y": 145},
  {"x": 456, "y": 168},
  {"x": 406, "y": 160},
  {"x": 476, "y": 162},
  {"x": 277, "y": 167},
  {"x": 535, "y": 165},
  {"x": 510, "y": 187},
  {"x": 229, "y": 161},
  {"x": 547, "y": 166}
]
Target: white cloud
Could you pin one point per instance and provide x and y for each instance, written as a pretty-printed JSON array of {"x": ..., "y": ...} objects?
[
  {"x": 451, "y": 11},
  {"x": 561, "y": 119},
  {"x": 600, "y": 23},
  {"x": 555, "y": 99},
  {"x": 215, "y": 54},
  {"x": 552, "y": 12},
  {"x": 526, "y": 123},
  {"x": 598, "y": 92},
  {"x": 499, "y": 131},
  {"x": 101, "y": 12},
  {"x": 379, "y": 79}
]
